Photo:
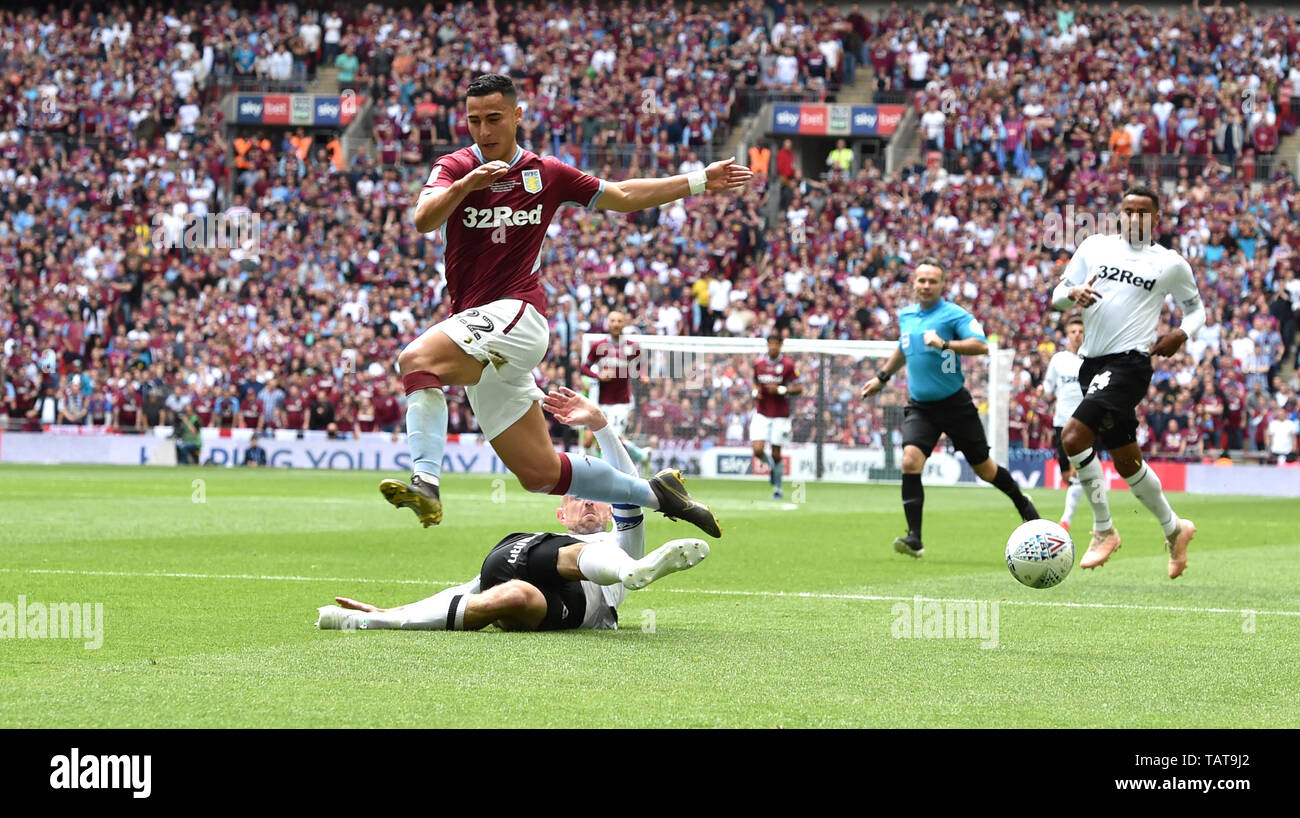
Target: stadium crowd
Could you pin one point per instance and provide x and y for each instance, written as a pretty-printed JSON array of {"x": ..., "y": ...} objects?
[
  {"x": 111, "y": 138},
  {"x": 1117, "y": 84}
]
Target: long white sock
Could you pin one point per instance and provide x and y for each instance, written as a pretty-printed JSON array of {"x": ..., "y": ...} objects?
[
  {"x": 1146, "y": 487},
  {"x": 426, "y": 432},
  {"x": 444, "y": 611},
  {"x": 1094, "y": 485},
  {"x": 1072, "y": 496},
  {"x": 603, "y": 563}
]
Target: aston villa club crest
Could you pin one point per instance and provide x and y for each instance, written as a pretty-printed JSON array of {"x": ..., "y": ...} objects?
[{"x": 533, "y": 181}]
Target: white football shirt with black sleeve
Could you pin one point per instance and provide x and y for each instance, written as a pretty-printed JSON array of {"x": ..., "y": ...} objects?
[{"x": 1133, "y": 282}]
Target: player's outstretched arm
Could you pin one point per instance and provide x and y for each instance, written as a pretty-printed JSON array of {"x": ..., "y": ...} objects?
[
  {"x": 637, "y": 194},
  {"x": 576, "y": 410},
  {"x": 573, "y": 409}
]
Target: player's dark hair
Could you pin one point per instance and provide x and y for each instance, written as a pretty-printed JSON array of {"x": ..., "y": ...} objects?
[
  {"x": 490, "y": 84},
  {"x": 931, "y": 261},
  {"x": 775, "y": 337},
  {"x": 1145, "y": 192},
  {"x": 1074, "y": 319}
]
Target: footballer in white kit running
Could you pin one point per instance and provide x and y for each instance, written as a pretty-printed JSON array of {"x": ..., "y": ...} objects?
[
  {"x": 1062, "y": 382},
  {"x": 1121, "y": 283},
  {"x": 544, "y": 581},
  {"x": 492, "y": 203}
]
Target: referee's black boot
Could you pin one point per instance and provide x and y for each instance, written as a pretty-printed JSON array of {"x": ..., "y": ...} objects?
[{"x": 909, "y": 545}]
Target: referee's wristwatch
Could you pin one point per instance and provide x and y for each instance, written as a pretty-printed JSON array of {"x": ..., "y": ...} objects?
[
  {"x": 883, "y": 376},
  {"x": 945, "y": 346}
]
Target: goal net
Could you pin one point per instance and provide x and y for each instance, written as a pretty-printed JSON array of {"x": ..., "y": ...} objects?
[{"x": 692, "y": 401}]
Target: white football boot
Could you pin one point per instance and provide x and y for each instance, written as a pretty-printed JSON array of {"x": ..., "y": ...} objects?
[{"x": 669, "y": 558}]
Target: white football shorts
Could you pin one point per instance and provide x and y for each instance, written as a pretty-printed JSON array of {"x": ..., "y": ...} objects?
[
  {"x": 511, "y": 337},
  {"x": 775, "y": 431},
  {"x": 618, "y": 415}
]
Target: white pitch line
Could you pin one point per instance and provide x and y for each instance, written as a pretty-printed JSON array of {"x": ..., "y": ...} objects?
[
  {"x": 874, "y": 598},
  {"x": 705, "y": 591},
  {"x": 178, "y": 575}
]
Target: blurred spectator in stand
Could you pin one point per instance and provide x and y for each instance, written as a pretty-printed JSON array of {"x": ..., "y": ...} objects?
[
  {"x": 254, "y": 455},
  {"x": 190, "y": 447}
]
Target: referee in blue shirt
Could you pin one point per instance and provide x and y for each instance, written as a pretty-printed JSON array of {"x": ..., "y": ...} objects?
[{"x": 933, "y": 335}]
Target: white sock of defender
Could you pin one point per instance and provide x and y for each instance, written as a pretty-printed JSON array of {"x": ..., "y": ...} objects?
[
  {"x": 1094, "y": 486},
  {"x": 1147, "y": 488},
  {"x": 444, "y": 611},
  {"x": 603, "y": 563},
  {"x": 426, "y": 432},
  {"x": 1072, "y": 497}
]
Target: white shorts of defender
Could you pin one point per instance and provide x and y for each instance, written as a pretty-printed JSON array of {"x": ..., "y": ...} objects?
[
  {"x": 511, "y": 338},
  {"x": 618, "y": 416},
  {"x": 775, "y": 431}
]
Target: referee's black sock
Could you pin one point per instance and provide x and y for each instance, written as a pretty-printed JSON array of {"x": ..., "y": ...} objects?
[
  {"x": 1008, "y": 486},
  {"x": 913, "y": 502}
]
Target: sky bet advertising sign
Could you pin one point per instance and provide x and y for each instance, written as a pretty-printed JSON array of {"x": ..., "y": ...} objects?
[
  {"x": 294, "y": 110},
  {"x": 835, "y": 120}
]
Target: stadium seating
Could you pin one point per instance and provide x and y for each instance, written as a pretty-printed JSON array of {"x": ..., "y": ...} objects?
[{"x": 97, "y": 318}]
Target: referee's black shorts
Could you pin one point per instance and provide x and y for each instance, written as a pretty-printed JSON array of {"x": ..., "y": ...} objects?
[
  {"x": 533, "y": 558},
  {"x": 1113, "y": 386},
  {"x": 954, "y": 416}
]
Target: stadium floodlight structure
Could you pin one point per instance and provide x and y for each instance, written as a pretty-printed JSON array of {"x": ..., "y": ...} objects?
[{"x": 693, "y": 394}]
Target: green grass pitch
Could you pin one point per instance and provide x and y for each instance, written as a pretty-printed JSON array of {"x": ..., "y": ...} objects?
[{"x": 791, "y": 621}]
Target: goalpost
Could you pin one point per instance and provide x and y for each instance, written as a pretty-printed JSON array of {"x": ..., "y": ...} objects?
[{"x": 692, "y": 403}]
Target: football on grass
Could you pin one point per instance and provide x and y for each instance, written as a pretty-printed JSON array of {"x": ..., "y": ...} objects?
[{"x": 1040, "y": 554}]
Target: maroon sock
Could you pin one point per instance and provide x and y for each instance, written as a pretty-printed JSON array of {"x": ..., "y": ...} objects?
[
  {"x": 415, "y": 381},
  {"x": 566, "y": 476}
]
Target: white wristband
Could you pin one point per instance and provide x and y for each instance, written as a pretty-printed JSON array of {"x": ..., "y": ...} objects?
[
  {"x": 781, "y": 390},
  {"x": 698, "y": 180}
]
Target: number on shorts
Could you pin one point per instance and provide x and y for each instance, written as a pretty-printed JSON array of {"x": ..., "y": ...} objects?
[{"x": 476, "y": 328}]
